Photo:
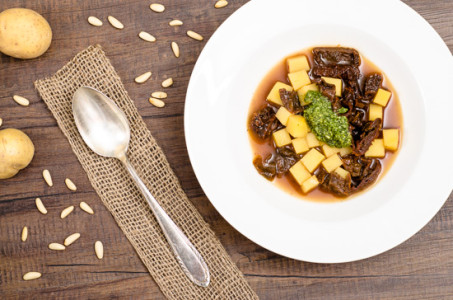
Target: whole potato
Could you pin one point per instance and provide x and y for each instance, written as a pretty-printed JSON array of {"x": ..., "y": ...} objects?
[
  {"x": 24, "y": 33},
  {"x": 16, "y": 152}
]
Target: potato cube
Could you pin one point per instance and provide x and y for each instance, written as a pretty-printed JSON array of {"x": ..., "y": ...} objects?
[
  {"x": 299, "y": 79},
  {"x": 283, "y": 115},
  {"x": 281, "y": 137},
  {"x": 303, "y": 91},
  {"x": 300, "y": 145},
  {"x": 297, "y": 126},
  {"x": 274, "y": 94},
  {"x": 342, "y": 172},
  {"x": 312, "y": 140},
  {"x": 382, "y": 97},
  {"x": 335, "y": 81},
  {"x": 376, "y": 149},
  {"x": 328, "y": 151},
  {"x": 299, "y": 172},
  {"x": 312, "y": 159},
  {"x": 298, "y": 63},
  {"x": 332, "y": 163},
  {"x": 391, "y": 139},
  {"x": 375, "y": 112},
  {"x": 310, "y": 184},
  {"x": 345, "y": 151}
]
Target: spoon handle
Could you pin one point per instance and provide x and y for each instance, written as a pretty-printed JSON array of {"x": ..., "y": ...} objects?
[{"x": 188, "y": 257}]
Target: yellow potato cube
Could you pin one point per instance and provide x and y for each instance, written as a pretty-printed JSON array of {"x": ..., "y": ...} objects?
[
  {"x": 376, "y": 149},
  {"x": 299, "y": 172},
  {"x": 299, "y": 79},
  {"x": 345, "y": 151},
  {"x": 281, "y": 137},
  {"x": 283, "y": 115},
  {"x": 328, "y": 151},
  {"x": 337, "y": 82},
  {"x": 303, "y": 91},
  {"x": 274, "y": 94},
  {"x": 297, "y": 126},
  {"x": 342, "y": 172},
  {"x": 300, "y": 145},
  {"x": 391, "y": 139},
  {"x": 298, "y": 63},
  {"x": 310, "y": 184},
  {"x": 312, "y": 140},
  {"x": 375, "y": 112},
  {"x": 312, "y": 159},
  {"x": 382, "y": 97},
  {"x": 332, "y": 163}
]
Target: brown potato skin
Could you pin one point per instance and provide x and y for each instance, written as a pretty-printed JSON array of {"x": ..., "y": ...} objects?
[
  {"x": 24, "y": 33},
  {"x": 16, "y": 152}
]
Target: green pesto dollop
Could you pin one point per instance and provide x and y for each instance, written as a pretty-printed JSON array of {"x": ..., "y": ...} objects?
[{"x": 325, "y": 123}]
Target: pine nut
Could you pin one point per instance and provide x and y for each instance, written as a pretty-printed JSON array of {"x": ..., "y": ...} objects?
[
  {"x": 156, "y": 7},
  {"x": 56, "y": 247},
  {"x": 71, "y": 239},
  {"x": 142, "y": 78},
  {"x": 159, "y": 95},
  {"x": 146, "y": 36},
  {"x": 24, "y": 234},
  {"x": 194, "y": 35},
  {"x": 1, "y": 121},
  {"x": 42, "y": 209},
  {"x": 67, "y": 211},
  {"x": 156, "y": 102},
  {"x": 47, "y": 177},
  {"x": 99, "y": 249},
  {"x": 70, "y": 185},
  {"x": 167, "y": 82},
  {"x": 175, "y": 23},
  {"x": 31, "y": 275},
  {"x": 115, "y": 23},
  {"x": 175, "y": 48},
  {"x": 21, "y": 100},
  {"x": 94, "y": 21},
  {"x": 221, "y": 3},
  {"x": 85, "y": 207}
]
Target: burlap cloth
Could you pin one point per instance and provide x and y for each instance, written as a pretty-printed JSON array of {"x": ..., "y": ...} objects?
[{"x": 119, "y": 194}]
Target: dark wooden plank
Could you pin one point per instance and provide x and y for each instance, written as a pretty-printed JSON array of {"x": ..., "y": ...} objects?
[{"x": 420, "y": 268}]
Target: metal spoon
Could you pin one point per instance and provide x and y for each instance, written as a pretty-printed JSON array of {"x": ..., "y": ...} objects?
[{"x": 105, "y": 129}]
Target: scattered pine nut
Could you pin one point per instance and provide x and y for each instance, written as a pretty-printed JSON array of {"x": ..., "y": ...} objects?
[
  {"x": 221, "y": 3},
  {"x": 71, "y": 239},
  {"x": 156, "y": 102},
  {"x": 56, "y": 247},
  {"x": 175, "y": 48},
  {"x": 142, "y": 78},
  {"x": 85, "y": 207},
  {"x": 175, "y": 23},
  {"x": 31, "y": 275},
  {"x": 1, "y": 121},
  {"x": 159, "y": 95},
  {"x": 21, "y": 100},
  {"x": 146, "y": 36},
  {"x": 94, "y": 21},
  {"x": 194, "y": 35},
  {"x": 167, "y": 82},
  {"x": 24, "y": 234},
  {"x": 70, "y": 185},
  {"x": 157, "y": 7},
  {"x": 67, "y": 211},
  {"x": 47, "y": 177},
  {"x": 42, "y": 209},
  {"x": 99, "y": 249},
  {"x": 115, "y": 23}
]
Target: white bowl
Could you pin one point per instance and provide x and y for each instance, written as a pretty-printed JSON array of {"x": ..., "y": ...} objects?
[{"x": 227, "y": 73}]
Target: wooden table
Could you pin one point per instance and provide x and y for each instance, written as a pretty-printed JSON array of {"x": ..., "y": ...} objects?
[{"x": 420, "y": 268}]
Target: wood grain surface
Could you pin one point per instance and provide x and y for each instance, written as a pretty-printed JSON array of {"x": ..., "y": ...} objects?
[{"x": 420, "y": 268}]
